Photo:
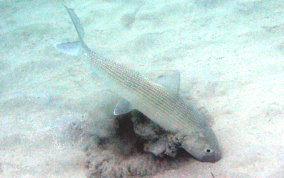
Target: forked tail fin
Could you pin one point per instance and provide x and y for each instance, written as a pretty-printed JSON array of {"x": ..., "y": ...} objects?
[
  {"x": 73, "y": 48},
  {"x": 76, "y": 22}
]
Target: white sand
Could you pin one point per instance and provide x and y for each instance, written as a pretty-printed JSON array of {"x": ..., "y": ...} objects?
[{"x": 230, "y": 54}]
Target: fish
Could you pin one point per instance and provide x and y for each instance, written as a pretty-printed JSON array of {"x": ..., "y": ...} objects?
[{"x": 159, "y": 100}]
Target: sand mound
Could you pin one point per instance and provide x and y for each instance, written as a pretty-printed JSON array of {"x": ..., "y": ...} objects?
[{"x": 123, "y": 154}]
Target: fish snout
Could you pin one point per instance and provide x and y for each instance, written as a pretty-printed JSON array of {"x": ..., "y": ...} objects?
[{"x": 212, "y": 158}]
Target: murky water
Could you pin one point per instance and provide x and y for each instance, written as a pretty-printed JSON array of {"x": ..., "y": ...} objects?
[{"x": 53, "y": 106}]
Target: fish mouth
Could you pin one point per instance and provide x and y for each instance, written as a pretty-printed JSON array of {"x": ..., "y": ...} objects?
[{"x": 211, "y": 158}]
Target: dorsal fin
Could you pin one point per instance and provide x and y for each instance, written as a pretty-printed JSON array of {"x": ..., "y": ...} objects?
[{"x": 170, "y": 80}]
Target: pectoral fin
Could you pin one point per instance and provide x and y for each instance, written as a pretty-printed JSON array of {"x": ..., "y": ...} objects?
[{"x": 122, "y": 107}]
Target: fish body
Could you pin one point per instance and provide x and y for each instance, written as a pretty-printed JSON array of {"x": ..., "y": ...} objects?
[
  {"x": 162, "y": 106},
  {"x": 152, "y": 99}
]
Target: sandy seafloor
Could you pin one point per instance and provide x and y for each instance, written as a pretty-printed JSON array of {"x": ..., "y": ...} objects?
[{"x": 230, "y": 55}]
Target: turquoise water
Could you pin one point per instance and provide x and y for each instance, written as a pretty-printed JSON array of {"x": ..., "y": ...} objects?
[{"x": 229, "y": 53}]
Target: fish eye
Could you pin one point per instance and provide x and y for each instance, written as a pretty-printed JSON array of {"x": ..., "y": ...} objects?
[{"x": 208, "y": 150}]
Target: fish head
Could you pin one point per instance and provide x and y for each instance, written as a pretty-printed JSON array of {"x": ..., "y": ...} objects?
[{"x": 202, "y": 145}]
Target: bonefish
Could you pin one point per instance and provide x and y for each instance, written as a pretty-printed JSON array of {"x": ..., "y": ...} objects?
[{"x": 159, "y": 101}]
